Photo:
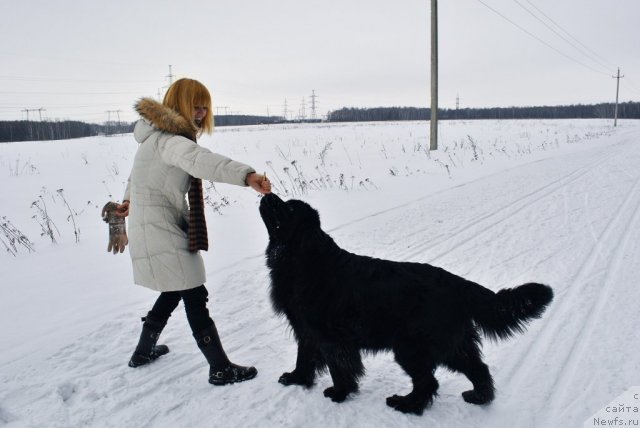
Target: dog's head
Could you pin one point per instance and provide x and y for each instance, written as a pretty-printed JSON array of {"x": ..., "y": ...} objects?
[{"x": 290, "y": 220}]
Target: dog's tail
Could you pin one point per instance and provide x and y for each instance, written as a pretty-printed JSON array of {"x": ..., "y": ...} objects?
[{"x": 508, "y": 311}]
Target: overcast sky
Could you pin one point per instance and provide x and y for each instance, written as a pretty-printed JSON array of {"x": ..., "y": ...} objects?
[{"x": 79, "y": 59}]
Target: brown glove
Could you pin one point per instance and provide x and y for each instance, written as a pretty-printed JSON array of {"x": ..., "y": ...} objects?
[{"x": 117, "y": 228}]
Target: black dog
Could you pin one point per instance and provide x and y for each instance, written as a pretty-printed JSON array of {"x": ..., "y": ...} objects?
[{"x": 339, "y": 304}]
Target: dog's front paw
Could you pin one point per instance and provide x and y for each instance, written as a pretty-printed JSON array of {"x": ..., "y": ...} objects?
[
  {"x": 478, "y": 396},
  {"x": 294, "y": 379},
  {"x": 287, "y": 379},
  {"x": 407, "y": 404},
  {"x": 337, "y": 395}
]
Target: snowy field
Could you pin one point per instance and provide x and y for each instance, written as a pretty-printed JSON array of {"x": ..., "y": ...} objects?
[{"x": 500, "y": 203}]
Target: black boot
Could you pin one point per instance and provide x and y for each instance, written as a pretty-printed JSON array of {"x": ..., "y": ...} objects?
[
  {"x": 221, "y": 370},
  {"x": 147, "y": 350}
]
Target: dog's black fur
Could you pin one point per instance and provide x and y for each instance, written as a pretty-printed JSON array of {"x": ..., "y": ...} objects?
[{"x": 339, "y": 304}]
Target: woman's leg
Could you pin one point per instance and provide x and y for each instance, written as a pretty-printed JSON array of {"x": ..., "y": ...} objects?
[
  {"x": 203, "y": 327},
  {"x": 221, "y": 370},
  {"x": 166, "y": 303},
  {"x": 195, "y": 305},
  {"x": 147, "y": 350}
]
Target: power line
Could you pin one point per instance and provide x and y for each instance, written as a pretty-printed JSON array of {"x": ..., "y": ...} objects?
[
  {"x": 83, "y": 60},
  {"x": 65, "y": 93},
  {"x": 569, "y": 34},
  {"x": 582, "y": 51},
  {"x": 542, "y": 41},
  {"x": 632, "y": 86},
  {"x": 75, "y": 106},
  {"x": 50, "y": 79}
]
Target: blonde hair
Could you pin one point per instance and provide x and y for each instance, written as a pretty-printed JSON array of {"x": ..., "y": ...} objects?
[{"x": 183, "y": 95}]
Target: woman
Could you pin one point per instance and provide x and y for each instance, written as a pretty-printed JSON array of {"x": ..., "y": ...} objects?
[{"x": 166, "y": 234}]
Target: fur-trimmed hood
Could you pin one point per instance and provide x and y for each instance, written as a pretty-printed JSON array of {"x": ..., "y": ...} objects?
[{"x": 165, "y": 119}]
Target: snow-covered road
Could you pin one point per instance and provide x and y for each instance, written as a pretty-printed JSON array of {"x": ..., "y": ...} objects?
[
  {"x": 572, "y": 222},
  {"x": 570, "y": 219}
]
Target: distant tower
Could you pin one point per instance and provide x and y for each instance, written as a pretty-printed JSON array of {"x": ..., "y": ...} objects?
[
  {"x": 170, "y": 76},
  {"x": 303, "y": 113},
  {"x": 110, "y": 122},
  {"x": 39, "y": 110},
  {"x": 313, "y": 104}
]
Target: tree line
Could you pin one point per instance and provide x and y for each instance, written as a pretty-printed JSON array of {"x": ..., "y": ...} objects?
[
  {"x": 24, "y": 130},
  {"x": 242, "y": 119},
  {"x": 627, "y": 110}
]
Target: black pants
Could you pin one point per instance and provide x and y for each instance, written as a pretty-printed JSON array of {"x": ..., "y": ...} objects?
[{"x": 195, "y": 305}]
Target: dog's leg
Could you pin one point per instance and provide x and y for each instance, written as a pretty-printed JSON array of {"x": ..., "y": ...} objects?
[
  {"x": 416, "y": 364},
  {"x": 345, "y": 367},
  {"x": 468, "y": 361},
  {"x": 308, "y": 362}
]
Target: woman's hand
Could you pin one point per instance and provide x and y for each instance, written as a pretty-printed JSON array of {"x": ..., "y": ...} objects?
[
  {"x": 259, "y": 183},
  {"x": 122, "y": 210}
]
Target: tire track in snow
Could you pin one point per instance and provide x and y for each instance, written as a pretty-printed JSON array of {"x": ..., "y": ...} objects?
[
  {"x": 626, "y": 215},
  {"x": 583, "y": 274},
  {"x": 558, "y": 397},
  {"x": 443, "y": 237},
  {"x": 483, "y": 224}
]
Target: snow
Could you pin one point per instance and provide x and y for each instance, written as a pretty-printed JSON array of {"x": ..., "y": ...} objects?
[{"x": 501, "y": 203}]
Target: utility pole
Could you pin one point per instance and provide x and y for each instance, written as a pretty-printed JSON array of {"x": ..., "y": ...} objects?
[
  {"x": 109, "y": 123},
  {"x": 30, "y": 127},
  {"x": 433, "y": 141},
  {"x": 457, "y": 105},
  {"x": 618, "y": 77},
  {"x": 313, "y": 104},
  {"x": 303, "y": 113},
  {"x": 39, "y": 110},
  {"x": 117, "y": 113},
  {"x": 170, "y": 76},
  {"x": 286, "y": 111}
]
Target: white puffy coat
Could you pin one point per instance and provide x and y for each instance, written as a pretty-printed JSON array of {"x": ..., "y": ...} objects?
[{"x": 158, "y": 212}]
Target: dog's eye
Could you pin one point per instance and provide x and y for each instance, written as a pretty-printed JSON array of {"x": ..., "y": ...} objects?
[{"x": 290, "y": 209}]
